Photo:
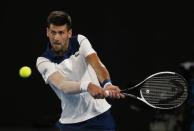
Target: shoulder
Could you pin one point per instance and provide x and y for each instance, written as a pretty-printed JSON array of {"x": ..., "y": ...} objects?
[
  {"x": 77, "y": 40},
  {"x": 40, "y": 60},
  {"x": 81, "y": 38},
  {"x": 45, "y": 67}
]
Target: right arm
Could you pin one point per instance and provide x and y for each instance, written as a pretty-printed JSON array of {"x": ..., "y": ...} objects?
[
  {"x": 68, "y": 87},
  {"x": 74, "y": 87},
  {"x": 52, "y": 76}
]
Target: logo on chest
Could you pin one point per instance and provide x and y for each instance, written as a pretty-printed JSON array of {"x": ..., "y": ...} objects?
[{"x": 77, "y": 54}]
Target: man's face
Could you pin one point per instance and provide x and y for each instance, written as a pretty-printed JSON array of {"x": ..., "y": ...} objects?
[{"x": 59, "y": 37}]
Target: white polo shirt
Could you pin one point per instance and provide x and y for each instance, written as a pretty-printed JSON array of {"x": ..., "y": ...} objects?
[{"x": 73, "y": 66}]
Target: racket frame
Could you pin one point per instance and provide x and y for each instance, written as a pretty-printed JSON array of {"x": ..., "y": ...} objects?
[{"x": 141, "y": 98}]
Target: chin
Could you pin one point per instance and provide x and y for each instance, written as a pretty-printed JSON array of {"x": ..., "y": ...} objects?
[{"x": 56, "y": 49}]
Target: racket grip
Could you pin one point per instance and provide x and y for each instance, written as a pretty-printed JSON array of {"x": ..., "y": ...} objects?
[{"x": 130, "y": 95}]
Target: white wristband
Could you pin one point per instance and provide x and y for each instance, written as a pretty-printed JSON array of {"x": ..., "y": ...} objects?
[
  {"x": 108, "y": 83},
  {"x": 84, "y": 86}
]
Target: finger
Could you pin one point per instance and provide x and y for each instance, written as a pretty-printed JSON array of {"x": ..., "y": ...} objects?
[
  {"x": 117, "y": 88},
  {"x": 106, "y": 93},
  {"x": 101, "y": 94},
  {"x": 97, "y": 96},
  {"x": 118, "y": 95},
  {"x": 110, "y": 93},
  {"x": 122, "y": 96},
  {"x": 114, "y": 94}
]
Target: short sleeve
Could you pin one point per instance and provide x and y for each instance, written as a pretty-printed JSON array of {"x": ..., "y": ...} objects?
[
  {"x": 45, "y": 67},
  {"x": 85, "y": 46}
]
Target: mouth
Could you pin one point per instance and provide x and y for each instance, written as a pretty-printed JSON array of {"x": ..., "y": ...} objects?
[{"x": 56, "y": 43}]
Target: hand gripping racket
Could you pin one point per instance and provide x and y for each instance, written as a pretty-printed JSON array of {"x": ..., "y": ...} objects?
[{"x": 162, "y": 90}]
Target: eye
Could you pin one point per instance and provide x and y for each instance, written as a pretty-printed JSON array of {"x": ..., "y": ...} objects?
[
  {"x": 53, "y": 32},
  {"x": 61, "y": 32}
]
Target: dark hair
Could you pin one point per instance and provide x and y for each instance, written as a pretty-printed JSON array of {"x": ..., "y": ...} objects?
[{"x": 59, "y": 18}]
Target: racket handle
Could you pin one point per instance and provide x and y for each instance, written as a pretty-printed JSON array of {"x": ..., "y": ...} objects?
[
  {"x": 130, "y": 95},
  {"x": 126, "y": 90}
]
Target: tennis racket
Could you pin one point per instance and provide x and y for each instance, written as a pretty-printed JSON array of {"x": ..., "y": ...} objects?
[{"x": 162, "y": 90}]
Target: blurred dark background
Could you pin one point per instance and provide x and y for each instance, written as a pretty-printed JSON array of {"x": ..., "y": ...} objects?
[{"x": 132, "y": 40}]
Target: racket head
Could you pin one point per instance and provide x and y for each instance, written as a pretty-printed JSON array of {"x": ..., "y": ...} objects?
[{"x": 164, "y": 90}]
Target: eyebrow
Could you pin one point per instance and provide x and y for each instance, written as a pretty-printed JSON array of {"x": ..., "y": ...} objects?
[{"x": 57, "y": 31}]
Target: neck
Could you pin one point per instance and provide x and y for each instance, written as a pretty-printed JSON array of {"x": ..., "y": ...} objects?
[{"x": 59, "y": 53}]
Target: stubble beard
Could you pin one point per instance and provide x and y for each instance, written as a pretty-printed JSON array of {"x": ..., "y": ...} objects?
[{"x": 60, "y": 49}]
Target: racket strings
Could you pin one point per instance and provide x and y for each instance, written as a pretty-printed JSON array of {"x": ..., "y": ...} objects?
[{"x": 164, "y": 90}]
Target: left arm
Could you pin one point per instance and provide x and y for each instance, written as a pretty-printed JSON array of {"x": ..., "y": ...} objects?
[
  {"x": 99, "y": 68},
  {"x": 103, "y": 74}
]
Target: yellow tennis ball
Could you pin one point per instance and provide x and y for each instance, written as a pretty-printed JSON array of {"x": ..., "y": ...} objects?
[{"x": 25, "y": 71}]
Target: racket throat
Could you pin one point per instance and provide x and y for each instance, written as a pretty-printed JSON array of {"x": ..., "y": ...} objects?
[{"x": 130, "y": 95}]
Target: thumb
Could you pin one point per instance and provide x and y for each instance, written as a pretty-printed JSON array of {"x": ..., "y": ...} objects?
[{"x": 106, "y": 93}]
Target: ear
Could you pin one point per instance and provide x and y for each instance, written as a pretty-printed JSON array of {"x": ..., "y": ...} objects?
[
  {"x": 47, "y": 32},
  {"x": 70, "y": 33}
]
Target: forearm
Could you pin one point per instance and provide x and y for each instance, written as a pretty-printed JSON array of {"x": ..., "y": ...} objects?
[
  {"x": 73, "y": 87},
  {"x": 68, "y": 87},
  {"x": 102, "y": 72},
  {"x": 100, "y": 69}
]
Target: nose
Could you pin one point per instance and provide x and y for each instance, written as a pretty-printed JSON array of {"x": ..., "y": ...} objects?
[{"x": 57, "y": 37}]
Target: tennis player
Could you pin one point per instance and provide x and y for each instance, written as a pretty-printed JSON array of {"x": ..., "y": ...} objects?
[{"x": 74, "y": 71}]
